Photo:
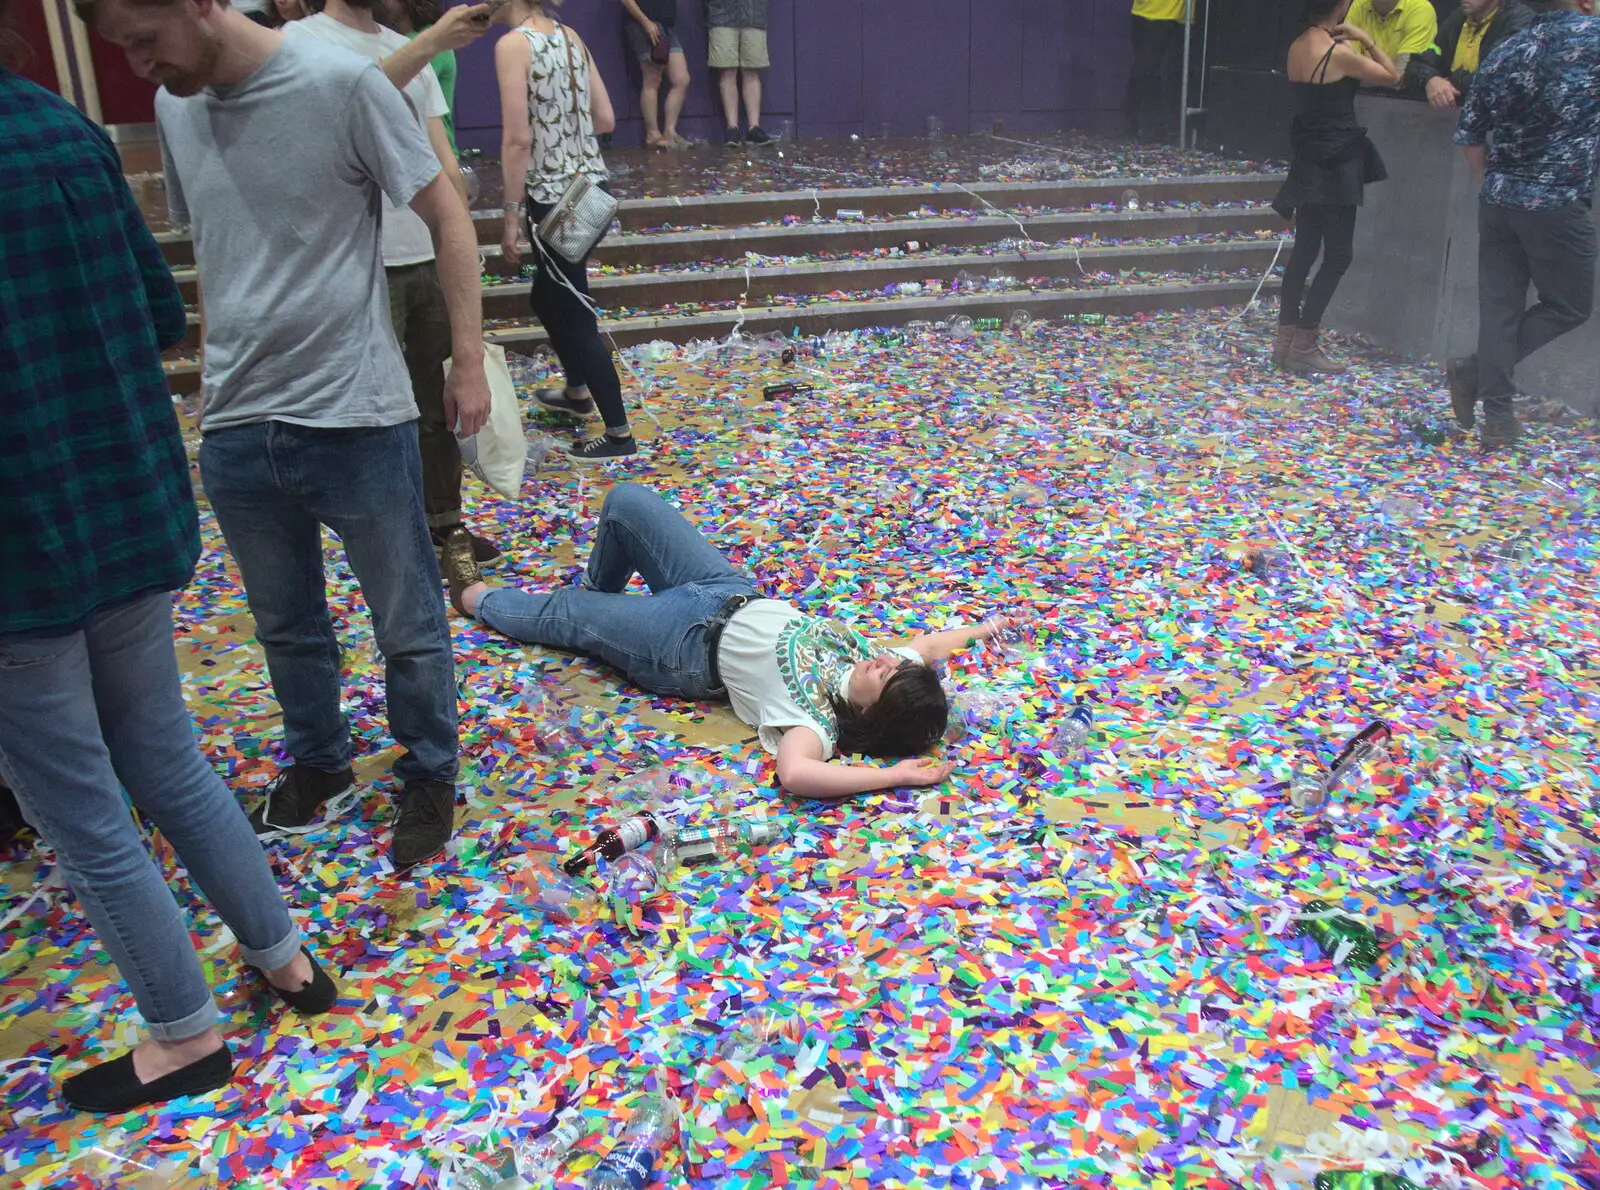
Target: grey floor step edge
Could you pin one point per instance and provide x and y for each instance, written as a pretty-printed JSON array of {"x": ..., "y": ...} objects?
[{"x": 184, "y": 376}]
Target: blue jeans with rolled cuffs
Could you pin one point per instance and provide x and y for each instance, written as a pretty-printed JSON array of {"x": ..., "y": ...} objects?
[
  {"x": 658, "y": 640},
  {"x": 89, "y": 714}
]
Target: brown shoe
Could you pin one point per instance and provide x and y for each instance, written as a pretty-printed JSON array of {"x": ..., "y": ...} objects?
[
  {"x": 460, "y": 567},
  {"x": 1280, "y": 345},
  {"x": 1306, "y": 357}
]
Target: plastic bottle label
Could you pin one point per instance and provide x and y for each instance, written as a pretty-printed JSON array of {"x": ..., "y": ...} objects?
[{"x": 634, "y": 1163}]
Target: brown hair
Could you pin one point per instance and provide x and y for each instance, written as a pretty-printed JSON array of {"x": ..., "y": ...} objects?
[{"x": 86, "y": 8}]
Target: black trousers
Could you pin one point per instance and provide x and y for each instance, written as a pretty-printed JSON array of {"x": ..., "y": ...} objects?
[
  {"x": 1552, "y": 249},
  {"x": 1150, "y": 107},
  {"x": 573, "y": 328},
  {"x": 1318, "y": 230}
]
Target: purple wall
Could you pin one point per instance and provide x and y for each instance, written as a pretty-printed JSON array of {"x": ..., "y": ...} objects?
[{"x": 868, "y": 66}]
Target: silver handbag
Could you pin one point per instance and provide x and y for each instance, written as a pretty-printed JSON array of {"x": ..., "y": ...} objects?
[
  {"x": 582, "y": 215},
  {"x": 576, "y": 223}
]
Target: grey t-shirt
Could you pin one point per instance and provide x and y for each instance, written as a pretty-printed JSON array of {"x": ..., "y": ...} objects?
[{"x": 281, "y": 177}]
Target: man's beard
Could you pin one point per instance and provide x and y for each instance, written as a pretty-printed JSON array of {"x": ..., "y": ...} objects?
[{"x": 184, "y": 83}]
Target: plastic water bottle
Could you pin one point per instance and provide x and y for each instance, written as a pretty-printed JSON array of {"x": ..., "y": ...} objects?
[
  {"x": 1072, "y": 736},
  {"x": 614, "y": 842},
  {"x": 725, "y": 841},
  {"x": 1309, "y": 784},
  {"x": 553, "y": 892},
  {"x": 631, "y": 1163},
  {"x": 1361, "y": 1179},
  {"x": 469, "y": 176},
  {"x": 538, "y": 1160}
]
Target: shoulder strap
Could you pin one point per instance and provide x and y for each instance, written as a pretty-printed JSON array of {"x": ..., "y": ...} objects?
[
  {"x": 1322, "y": 67},
  {"x": 572, "y": 73}
]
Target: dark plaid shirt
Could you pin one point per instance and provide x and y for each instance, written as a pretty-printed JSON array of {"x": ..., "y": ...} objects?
[
  {"x": 95, "y": 503},
  {"x": 1539, "y": 94}
]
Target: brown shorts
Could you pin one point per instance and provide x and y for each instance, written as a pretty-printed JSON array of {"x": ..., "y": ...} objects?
[{"x": 742, "y": 48}]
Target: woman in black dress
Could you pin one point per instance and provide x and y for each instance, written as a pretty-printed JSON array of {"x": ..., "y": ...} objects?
[{"x": 1332, "y": 161}]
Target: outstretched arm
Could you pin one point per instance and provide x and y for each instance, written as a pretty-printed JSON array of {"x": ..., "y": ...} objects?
[
  {"x": 803, "y": 772},
  {"x": 458, "y": 28},
  {"x": 940, "y": 646}
]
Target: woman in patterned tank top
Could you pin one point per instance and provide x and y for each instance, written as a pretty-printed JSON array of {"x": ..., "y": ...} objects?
[{"x": 552, "y": 104}]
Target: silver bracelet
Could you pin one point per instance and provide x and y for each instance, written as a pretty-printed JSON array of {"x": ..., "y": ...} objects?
[{"x": 513, "y": 204}]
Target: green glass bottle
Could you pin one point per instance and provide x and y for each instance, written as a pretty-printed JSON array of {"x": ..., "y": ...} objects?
[
  {"x": 1354, "y": 939},
  {"x": 1360, "y": 1179}
]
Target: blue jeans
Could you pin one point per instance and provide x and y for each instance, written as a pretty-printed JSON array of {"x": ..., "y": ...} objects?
[
  {"x": 657, "y": 640},
  {"x": 85, "y": 713},
  {"x": 273, "y": 486}
]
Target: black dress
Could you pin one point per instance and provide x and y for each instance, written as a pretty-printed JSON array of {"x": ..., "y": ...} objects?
[{"x": 1332, "y": 160}]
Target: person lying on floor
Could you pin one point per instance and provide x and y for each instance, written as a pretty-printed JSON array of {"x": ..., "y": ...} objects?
[{"x": 809, "y": 686}]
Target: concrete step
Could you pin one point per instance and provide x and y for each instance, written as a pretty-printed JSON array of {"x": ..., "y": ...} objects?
[
  {"x": 736, "y": 210},
  {"x": 819, "y": 318}
]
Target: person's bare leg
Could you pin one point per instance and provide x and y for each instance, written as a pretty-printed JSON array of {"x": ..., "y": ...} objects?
[
  {"x": 650, "y": 103},
  {"x": 752, "y": 96},
  {"x": 677, "y": 92},
  {"x": 729, "y": 83}
]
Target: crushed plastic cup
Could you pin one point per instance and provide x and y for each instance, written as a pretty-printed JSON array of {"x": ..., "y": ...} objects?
[
  {"x": 1399, "y": 510},
  {"x": 1129, "y": 200},
  {"x": 961, "y": 327},
  {"x": 1019, "y": 321},
  {"x": 552, "y": 891}
]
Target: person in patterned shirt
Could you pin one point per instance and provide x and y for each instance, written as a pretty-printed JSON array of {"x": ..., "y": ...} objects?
[
  {"x": 812, "y": 688},
  {"x": 1539, "y": 95},
  {"x": 97, "y": 529}
]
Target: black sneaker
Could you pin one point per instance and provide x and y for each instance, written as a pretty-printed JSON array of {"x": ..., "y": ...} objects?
[
  {"x": 557, "y": 400},
  {"x": 426, "y": 820},
  {"x": 732, "y": 137},
  {"x": 484, "y": 551},
  {"x": 606, "y": 446},
  {"x": 759, "y": 135},
  {"x": 294, "y": 798},
  {"x": 1462, "y": 374}
]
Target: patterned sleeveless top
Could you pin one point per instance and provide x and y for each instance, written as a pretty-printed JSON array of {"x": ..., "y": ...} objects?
[{"x": 564, "y": 145}]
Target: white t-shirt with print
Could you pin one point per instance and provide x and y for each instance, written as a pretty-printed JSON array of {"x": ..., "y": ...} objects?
[
  {"x": 780, "y": 665},
  {"x": 406, "y": 239}
]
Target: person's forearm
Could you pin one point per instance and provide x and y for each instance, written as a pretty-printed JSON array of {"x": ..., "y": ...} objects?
[
  {"x": 938, "y": 646},
  {"x": 831, "y": 779},
  {"x": 407, "y": 62},
  {"x": 1376, "y": 52},
  {"x": 456, "y": 248},
  {"x": 1477, "y": 157},
  {"x": 635, "y": 11},
  {"x": 514, "y": 173}
]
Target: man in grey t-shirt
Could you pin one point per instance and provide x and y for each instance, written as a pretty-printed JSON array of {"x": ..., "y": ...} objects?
[{"x": 278, "y": 152}]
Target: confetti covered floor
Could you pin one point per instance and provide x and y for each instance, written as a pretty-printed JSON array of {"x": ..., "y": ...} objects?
[{"x": 1056, "y": 971}]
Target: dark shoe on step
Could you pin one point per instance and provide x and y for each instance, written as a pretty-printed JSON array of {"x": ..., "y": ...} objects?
[
  {"x": 426, "y": 820},
  {"x": 313, "y": 998},
  {"x": 484, "y": 551},
  {"x": 759, "y": 135},
  {"x": 604, "y": 447},
  {"x": 559, "y": 400},
  {"x": 295, "y": 796},
  {"x": 732, "y": 137},
  {"x": 1305, "y": 355},
  {"x": 1281, "y": 344},
  {"x": 1499, "y": 435},
  {"x": 1462, "y": 374},
  {"x": 114, "y": 1087},
  {"x": 460, "y": 566}
]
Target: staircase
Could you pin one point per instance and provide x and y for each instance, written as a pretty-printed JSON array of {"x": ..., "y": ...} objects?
[{"x": 815, "y": 260}]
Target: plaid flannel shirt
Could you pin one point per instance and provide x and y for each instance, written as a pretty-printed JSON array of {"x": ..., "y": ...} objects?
[{"x": 95, "y": 502}]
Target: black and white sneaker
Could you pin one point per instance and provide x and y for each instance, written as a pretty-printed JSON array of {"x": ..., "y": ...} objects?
[
  {"x": 759, "y": 135},
  {"x": 294, "y": 798},
  {"x": 558, "y": 400},
  {"x": 597, "y": 450},
  {"x": 732, "y": 137}
]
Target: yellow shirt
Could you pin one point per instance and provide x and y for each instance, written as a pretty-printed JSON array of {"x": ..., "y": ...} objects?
[
  {"x": 1470, "y": 45},
  {"x": 1409, "y": 29},
  {"x": 1160, "y": 10}
]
